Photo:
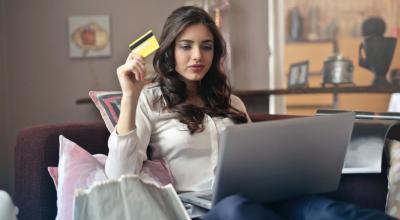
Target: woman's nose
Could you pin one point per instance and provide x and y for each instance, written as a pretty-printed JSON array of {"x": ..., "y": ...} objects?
[{"x": 196, "y": 53}]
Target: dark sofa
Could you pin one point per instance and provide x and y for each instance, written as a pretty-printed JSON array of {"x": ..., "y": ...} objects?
[{"x": 37, "y": 148}]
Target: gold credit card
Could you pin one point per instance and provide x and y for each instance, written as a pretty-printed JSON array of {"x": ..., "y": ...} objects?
[{"x": 145, "y": 45}]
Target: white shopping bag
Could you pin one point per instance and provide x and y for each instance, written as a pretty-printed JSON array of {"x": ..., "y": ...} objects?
[{"x": 128, "y": 198}]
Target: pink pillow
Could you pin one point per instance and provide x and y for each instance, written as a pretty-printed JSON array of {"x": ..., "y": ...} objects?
[
  {"x": 108, "y": 104},
  {"x": 77, "y": 168},
  {"x": 53, "y": 171},
  {"x": 156, "y": 170}
]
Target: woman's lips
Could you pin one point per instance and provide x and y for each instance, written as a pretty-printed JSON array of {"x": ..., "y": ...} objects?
[{"x": 196, "y": 68}]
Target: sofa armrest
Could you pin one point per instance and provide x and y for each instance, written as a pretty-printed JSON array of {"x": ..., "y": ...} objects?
[
  {"x": 266, "y": 117},
  {"x": 36, "y": 149}
]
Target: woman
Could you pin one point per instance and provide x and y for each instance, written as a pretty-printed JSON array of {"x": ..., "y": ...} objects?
[{"x": 181, "y": 113}]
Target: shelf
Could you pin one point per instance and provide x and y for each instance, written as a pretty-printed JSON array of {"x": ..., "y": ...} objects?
[
  {"x": 315, "y": 90},
  {"x": 310, "y": 41},
  {"x": 258, "y": 100}
]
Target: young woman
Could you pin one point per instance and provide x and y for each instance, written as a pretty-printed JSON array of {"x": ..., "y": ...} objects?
[{"x": 181, "y": 113}]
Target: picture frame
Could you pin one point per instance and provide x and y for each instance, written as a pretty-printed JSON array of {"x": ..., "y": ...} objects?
[
  {"x": 89, "y": 36},
  {"x": 298, "y": 75}
]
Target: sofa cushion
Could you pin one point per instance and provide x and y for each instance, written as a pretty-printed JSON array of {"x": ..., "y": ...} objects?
[
  {"x": 108, "y": 103},
  {"x": 77, "y": 168}
]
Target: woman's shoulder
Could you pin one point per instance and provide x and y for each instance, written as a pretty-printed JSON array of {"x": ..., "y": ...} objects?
[
  {"x": 151, "y": 95},
  {"x": 236, "y": 102},
  {"x": 151, "y": 91}
]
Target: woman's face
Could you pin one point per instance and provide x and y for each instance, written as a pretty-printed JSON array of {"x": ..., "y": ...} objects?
[{"x": 194, "y": 51}]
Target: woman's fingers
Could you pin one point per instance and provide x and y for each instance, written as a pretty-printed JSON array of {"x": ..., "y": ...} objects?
[
  {"x": 134, "y": 67},
  {"x": 137, "y": 74},
  {"x": 133, "y": 56},
  {"x": 138, "y": 57},
  {"x": 140, "y": 67},
  {"x": 138, "y": 70}
]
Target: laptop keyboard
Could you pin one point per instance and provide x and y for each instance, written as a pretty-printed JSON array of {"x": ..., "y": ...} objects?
[{"x": 206, "y": 196}]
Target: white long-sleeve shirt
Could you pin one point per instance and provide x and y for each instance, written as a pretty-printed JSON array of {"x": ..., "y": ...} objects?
[{"x": 191, "y": 158}]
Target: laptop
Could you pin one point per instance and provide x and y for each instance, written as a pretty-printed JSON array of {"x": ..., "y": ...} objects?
[{"x": 275, "y": 160}]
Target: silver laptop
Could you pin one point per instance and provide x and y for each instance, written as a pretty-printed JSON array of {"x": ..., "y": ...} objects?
[{"x": 276, "y": 160}]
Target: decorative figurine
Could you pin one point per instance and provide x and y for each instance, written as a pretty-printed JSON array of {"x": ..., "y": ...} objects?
[{"x": 376, "y": 51}]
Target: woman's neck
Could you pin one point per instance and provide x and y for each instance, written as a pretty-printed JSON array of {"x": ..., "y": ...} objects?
[
  {"x": 192, "y": 89},
  {"x": 192, "y": 92}
]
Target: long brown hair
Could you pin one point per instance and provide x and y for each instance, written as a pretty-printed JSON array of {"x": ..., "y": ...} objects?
[{"x": 214, "y": 88}]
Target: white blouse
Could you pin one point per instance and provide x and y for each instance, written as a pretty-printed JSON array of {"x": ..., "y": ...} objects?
[{"x": 191, "y": 158}]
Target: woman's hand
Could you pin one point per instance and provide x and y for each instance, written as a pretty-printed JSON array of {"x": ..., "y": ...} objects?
[{"x": 131, "y": 75}]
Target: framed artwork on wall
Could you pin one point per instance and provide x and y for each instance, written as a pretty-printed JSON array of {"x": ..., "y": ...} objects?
[
  {"x": 298, "y": 75},
  {"x": 89, "y": 36}
]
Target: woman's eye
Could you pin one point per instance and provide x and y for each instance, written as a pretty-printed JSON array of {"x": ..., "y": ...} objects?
[
  {"x": 207, "y": 47},
  {"x": 185, "y": 47}
]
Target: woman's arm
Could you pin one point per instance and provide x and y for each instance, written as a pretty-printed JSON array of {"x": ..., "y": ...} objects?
[
  {"x": 127, "y": 144},
  {"x": 127, "y": 115},
  {"x": 131, "y": 79},
  {"x": 128, "y": 151}
]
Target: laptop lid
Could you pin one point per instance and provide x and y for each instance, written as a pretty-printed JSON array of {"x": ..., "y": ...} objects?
[{"x": 274, "y": 160}]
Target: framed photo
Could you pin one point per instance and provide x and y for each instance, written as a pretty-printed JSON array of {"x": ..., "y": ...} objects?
[
  {"x": 89, "y": 36},
  {"x": 298, "y": 75}
]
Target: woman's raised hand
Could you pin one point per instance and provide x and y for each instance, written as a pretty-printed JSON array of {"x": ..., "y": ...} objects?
[{"x": 131, "y": 75}]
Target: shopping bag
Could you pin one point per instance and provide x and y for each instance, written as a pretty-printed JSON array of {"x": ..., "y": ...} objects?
[{"x": 128, "y": 198}]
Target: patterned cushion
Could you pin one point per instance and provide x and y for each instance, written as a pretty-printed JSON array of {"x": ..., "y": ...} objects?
[{"x": 108, "y": 103}]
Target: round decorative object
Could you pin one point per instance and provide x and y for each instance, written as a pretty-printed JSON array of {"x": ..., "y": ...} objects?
[
  {"x": 373, "y": 26},
  {"x": 337, "y": 70}
]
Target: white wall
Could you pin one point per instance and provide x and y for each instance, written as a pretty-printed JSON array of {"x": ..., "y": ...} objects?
[{"x": 42, "y": 83}]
